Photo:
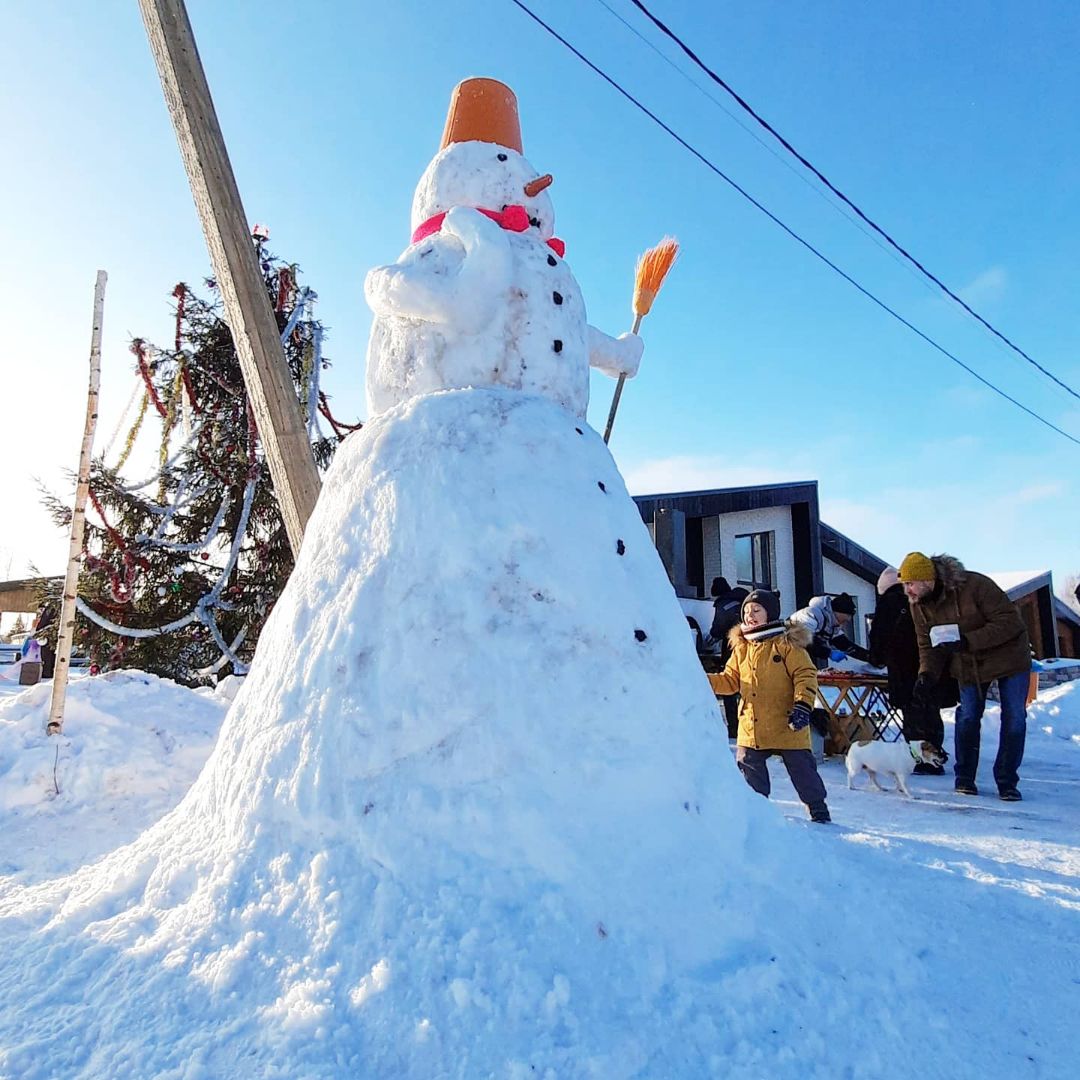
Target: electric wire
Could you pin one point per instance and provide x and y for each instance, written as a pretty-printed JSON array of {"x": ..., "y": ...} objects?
[
  {"x": 791, "y": 232},
  {"x": 748, "y": 108},
  {"x": 777, "y": 154}
]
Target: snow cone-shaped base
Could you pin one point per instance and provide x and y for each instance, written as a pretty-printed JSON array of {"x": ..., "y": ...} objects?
[{"x": 472, "y": 814}]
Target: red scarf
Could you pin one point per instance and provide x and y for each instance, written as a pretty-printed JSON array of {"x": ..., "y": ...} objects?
[{"x": 512, "y": 218}]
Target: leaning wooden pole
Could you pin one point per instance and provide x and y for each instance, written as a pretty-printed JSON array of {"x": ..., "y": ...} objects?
[
  {"x": 247, "y": 307},
  {"x": 66, "y": 628}
]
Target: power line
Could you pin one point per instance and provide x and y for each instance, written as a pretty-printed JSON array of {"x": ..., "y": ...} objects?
[
  {"x": 837, "y": 207},
  {"x": 769, "y": 148},
  {"x": 777, "y": 221},
  {"x": 747, "y": 107}
]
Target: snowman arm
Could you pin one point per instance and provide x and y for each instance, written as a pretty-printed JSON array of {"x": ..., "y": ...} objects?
[
  {"x": 615, "y": 356},
  {"x": 462, "y": 285}
]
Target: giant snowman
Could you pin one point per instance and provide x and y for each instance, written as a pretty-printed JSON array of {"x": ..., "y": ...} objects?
[{"x": 473, "y": 812}]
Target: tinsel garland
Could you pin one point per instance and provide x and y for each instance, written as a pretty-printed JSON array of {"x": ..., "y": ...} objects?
[
  {"x": 197, "y": 545},
  {"x": 180, "y": 292},
  {"x": 130, "y": 489},
  {"x": 123, "y": 416},
  {"x": 339, "y": 426},
  {"x": 203, "y": 440},
  {"x": 286, "y": 286},
  {"x": 133, "y": 434},
  {"x": 203, "y": 610},
  {"x": 138, "y": 347}
]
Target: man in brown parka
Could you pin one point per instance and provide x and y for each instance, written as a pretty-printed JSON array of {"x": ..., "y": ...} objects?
[{"x": 966, "y": 625}]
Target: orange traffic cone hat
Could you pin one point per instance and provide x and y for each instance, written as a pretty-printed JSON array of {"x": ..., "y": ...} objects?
[{"x": 482, "y": 110}]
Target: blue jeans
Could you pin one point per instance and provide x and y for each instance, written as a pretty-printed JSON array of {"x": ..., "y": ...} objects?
[{"x": 1013, "y": 692}]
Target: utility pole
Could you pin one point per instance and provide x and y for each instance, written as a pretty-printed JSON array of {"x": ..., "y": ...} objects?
[{"x": 247, "y": 307}]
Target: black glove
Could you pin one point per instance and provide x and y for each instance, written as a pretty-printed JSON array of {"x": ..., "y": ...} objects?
[
  {"x": 922, "y": 693},
  {"x": 800, "y": 716},
  {"x": 859, "y": 653}
]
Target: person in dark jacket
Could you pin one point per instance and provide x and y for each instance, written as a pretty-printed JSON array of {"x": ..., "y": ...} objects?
[
  {"x": 893, "y": 645},
  {"x": 727, "y": 603},
  {"x": 967, "y": 627},
  {"x": 43, "y": 626}
]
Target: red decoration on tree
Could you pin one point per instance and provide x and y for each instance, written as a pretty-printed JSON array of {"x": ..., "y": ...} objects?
[
  {"x": 138, "y": 347},
  {"x": 147, "y": 559}
]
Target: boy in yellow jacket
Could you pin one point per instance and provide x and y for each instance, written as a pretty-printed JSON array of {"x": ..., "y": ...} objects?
[{"x": 772, "y": 671}]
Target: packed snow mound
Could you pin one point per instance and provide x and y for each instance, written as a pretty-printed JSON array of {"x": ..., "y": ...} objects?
[
  {"x": 131, "y": 741},
  {"x": 1055, "y": 712},
  {"x": 472, "y": 813}
]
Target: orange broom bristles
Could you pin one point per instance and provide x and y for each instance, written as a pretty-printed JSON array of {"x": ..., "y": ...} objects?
[{"x": 651, "y": 270}]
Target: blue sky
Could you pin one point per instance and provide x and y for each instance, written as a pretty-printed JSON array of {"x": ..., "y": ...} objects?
[{"x": 952, "y": 125}]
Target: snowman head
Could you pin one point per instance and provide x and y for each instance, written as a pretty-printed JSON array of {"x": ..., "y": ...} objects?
[
  {"x": 480, "y": 162},
  {"x": 487, "y": 176}
]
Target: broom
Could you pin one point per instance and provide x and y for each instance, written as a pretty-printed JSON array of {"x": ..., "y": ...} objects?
[{"x": 652, "y": 268}]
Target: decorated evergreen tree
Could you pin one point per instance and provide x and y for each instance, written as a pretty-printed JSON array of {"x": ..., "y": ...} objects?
[{"x": 182, "y": 567}]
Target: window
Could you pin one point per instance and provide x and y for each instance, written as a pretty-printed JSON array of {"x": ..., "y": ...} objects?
[{"x": 754, "y": 560}]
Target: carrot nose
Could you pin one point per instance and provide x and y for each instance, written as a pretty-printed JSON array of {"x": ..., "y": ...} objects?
[{"x": 534, "y": 187}]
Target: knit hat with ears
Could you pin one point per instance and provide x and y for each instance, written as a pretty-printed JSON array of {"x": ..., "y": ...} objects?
[
  {"x": 890, "y": 576},
  {"x": 768, "y": 599},
  {"x": 917, "y": 567}
]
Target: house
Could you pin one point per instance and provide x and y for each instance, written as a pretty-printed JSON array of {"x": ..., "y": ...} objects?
[
  {"x": 772, "y": 536},
  {"x": 769, "y": 536},
  {"x": 1068, "y": 628},
  {"x": 1032, "y": 591}
]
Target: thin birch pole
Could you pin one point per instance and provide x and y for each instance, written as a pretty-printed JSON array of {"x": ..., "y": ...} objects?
[{"x": 66, "y": 629}]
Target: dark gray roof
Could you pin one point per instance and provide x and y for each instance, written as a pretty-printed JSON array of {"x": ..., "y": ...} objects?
[{"x": 842, "y": 550}]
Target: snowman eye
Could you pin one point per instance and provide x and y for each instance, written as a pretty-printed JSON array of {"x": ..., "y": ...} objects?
[{"x": 501, "y": 157}]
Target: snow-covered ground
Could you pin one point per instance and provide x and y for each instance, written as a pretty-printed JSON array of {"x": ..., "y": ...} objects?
[{"x": 972, "y": 901}]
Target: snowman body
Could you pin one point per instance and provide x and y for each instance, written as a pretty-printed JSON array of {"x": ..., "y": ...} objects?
[{"x": 475, "y": 304}]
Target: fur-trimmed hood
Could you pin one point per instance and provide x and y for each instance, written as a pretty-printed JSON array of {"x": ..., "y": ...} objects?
[
  {"x": 950, "y": 571},
  {"x": 793, "y": 633},
  {"x": 993, "y": 632}
]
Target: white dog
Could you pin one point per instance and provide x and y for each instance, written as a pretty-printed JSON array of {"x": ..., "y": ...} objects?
[{"x": 891, "y": 759}]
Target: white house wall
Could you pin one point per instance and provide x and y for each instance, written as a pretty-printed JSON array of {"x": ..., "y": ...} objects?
[
  {"x": 838, "y": 579},
  {"x": 719, "y": 535}
]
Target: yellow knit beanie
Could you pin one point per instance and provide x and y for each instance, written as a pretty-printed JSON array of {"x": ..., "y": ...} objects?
[{"x": 917, "y": 567}]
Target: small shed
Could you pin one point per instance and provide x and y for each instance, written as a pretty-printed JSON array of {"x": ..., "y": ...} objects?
[{"x": 1032, "y": 591}]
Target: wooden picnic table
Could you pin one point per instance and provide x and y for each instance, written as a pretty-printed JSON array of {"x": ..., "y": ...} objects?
[{"x": 858, "y": 708}]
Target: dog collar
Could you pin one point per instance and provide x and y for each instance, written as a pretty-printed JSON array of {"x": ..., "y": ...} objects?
[{"x": 911, "y": 750}]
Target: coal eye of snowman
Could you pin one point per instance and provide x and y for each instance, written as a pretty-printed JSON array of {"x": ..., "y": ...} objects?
[{"x": 501, "y": 157}]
